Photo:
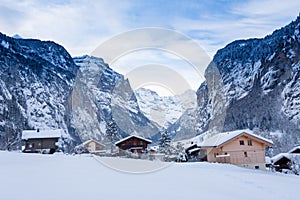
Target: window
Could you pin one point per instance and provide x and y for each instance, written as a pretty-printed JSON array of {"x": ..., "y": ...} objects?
[
  {"x": 256, "y": 167},
  {"x": 245, "y": 154},
  {"x": 249, "y": 142},
  {"x": 242, "y": 142}
]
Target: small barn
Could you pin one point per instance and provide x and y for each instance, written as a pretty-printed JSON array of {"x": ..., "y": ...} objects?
[
  {"x": 40, "y": 141},
  {"x": 282, "y": 162},
  {"x": 133, "y": 144},
  {"x": 94, "y": 146},
  {"x": 241, "y": 147}
]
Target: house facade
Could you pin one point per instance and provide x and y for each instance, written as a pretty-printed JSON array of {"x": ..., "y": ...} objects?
[
  {"x": 242, "y": 148},
  {"x": 133, "y": 144},
  {"x": 40, "y": 141},
  {"x": 94, "y": 146}
]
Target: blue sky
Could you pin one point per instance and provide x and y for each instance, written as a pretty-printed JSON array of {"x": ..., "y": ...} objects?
[{"x": 81, "y": 26}]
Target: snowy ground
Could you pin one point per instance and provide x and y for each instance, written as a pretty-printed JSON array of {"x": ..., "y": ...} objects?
[{"x": 29, "y": 176}]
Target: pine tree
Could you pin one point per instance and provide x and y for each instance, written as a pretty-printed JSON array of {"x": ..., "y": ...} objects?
[
  {"x": 112, "y": 132},
  {"x": 165, "y": 143},
  {"x": 165, "y": 140}
]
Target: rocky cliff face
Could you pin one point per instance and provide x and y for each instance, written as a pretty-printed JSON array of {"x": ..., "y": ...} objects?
[
  {"x": 42, "y": 87},
  {"x": 35, "y": 81},
  {"x": 100, "y": 93},
  {"x": 255, "y": 84}
]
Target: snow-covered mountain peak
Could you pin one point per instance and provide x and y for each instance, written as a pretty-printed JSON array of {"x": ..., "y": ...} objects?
[
  {"x": 164, "y": 110},
  {"x": 90, "y": 63},
  {"x": 17, "y": 36}
]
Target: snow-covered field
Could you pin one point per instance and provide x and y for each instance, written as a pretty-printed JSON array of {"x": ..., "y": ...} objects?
[{"x": 32, "y": 176}]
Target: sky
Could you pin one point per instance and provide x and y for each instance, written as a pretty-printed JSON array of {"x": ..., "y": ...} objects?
[{"x": 81, "y": 26}]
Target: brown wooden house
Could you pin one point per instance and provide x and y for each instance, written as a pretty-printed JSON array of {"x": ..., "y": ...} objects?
[
  {"x": 133, "y": 144},
  {"x": 240, "y": 147},
  {"x": 282, "y": 162},
  {"x": 40, "y": 141}
]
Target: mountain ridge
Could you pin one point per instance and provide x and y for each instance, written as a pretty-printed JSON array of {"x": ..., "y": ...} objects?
[
  {"x": 254, "y": 84},
  {"x": 39, "y": 87}
]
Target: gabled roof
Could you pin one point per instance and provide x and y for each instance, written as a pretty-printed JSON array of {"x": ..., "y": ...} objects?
[
  {"x": 91, "y": 140},
  {"x": 221, "y": 138},
  {"x": 294, "y": 149},
  {"x": 289, "y": 156},
  {"x": 41, "y": 134},
  {"x": 280, "y": 156},
  {"x": 132, "y": 136}
]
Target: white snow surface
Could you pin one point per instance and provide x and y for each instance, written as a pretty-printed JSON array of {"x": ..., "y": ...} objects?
[{"x": 83, "y": 177}]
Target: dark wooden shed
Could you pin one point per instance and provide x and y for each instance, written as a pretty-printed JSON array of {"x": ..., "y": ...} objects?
[{"x": 281, "y": 161}]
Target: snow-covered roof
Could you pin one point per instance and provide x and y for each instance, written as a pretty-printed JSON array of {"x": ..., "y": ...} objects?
[
  {"x": 294, "y": 149},
  {"x": 221, "y": 138},
  {"x": 154, "y": 148},
  {"x": 279, "y": 156},
  {"x": 34, "y": 134},
  {"x": 131, "y": 136},
  {"x": 287, "y": 155}
]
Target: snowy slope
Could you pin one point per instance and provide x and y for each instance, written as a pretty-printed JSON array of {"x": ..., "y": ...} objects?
[
  {"x": 75, "y": 177},
  {"x": 164, "y": 110}
]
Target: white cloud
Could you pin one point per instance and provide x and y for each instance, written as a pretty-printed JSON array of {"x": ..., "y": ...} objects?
[
  {"x": 77, "y": 25},
  {"x": 268, "y": 9},
  {"x": 81, "y": 26}
]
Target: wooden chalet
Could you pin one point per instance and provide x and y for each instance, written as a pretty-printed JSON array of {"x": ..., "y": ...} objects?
[
  {"x": 242, "y": 148},
  {"x": 94, "y": 146},
  {"x": 133, "y": 144},
  {"x": 40, "y": 141}
]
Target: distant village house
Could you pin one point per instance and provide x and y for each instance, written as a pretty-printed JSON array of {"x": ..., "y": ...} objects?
[
  {"x": 94, "y": 147},
  {"x": 40, "y": 141},
  {"x": 133, "y": 144}
]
